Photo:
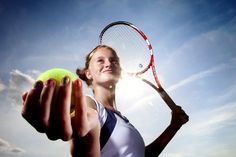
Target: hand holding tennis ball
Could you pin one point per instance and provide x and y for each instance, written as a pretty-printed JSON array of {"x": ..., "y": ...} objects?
[
  {"x": 50, "y": 105},
  {"x": 58, "y": 74}
]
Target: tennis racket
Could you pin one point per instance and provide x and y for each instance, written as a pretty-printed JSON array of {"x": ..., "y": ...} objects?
[{"x": 125, "y": 38}]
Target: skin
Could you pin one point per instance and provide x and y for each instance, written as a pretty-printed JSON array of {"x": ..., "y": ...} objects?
[{"x": 51, "y": 115}]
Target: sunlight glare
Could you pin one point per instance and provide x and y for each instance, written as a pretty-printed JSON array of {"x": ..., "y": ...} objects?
[{"x": 130, "y": 87}]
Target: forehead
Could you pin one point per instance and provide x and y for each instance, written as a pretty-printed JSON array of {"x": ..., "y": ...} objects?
[{"x": 103, "y": 52}]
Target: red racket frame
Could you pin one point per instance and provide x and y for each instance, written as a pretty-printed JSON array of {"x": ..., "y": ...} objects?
[{"x": 171, "y": 104}]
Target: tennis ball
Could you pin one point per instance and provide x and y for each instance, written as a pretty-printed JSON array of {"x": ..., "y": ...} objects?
[{"x": 58, "y": 74}]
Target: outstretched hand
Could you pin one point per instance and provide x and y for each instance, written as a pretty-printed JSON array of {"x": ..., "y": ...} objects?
[
  {"x": 50, "y": 114},
  {"x": 47, "y": 113}
]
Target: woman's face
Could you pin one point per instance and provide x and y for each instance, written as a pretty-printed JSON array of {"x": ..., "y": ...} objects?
[{"x": 104, "y": 67}]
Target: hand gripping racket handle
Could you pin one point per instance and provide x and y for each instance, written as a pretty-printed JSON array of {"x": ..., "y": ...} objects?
[{"x": 170, "y": 103}]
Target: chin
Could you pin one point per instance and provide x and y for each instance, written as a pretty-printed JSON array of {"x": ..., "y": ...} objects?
[{"x": 112, "y": 80}]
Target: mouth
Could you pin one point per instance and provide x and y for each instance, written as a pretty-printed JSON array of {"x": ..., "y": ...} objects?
[
  {"x": 108, "y": 71},
  {"x": 111, "y": 72}
]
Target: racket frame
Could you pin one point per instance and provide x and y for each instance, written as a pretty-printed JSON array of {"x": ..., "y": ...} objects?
[{"x": 167, "y": 99}]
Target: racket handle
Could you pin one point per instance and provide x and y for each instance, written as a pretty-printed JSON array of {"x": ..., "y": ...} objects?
[
  {"x": 170, "y": 103},
  {"x": 183, "y": 117},
  {"x": 167, "y": 99}
]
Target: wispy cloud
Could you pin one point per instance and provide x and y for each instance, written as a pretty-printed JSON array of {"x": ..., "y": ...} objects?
[
  {"x": 211, "y": 128},
  {"x": 6, "y": 147},
  {"x": 206, "y": 45},
  {"x": 192, "y": 78},
  {"x": 19, "y": 83},
  {"x": 208, "y": 48},
  {"x": 197, "y": 76},
  {"x": 2, "y": 86},
  {"x": 227, "y": 94},
  {"x": 210, "y": 120}
]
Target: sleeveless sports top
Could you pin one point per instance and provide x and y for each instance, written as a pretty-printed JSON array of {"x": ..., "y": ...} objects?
[{"x": 118, "y": 137}]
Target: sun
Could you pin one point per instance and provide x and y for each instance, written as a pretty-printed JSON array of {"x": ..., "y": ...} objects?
[{"x": 130, "y": 87}]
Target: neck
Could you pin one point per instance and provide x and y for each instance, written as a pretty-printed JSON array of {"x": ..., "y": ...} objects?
[{"x": 106, "y": 96}]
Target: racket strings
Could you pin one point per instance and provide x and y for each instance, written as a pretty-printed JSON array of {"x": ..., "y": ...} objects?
[{"x": 130, "y": 47}]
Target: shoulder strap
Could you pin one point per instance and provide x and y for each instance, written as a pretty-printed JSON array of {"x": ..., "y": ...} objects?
[
  {"x": 107, "y": 128},
  {"x": 109, "y": 124}
]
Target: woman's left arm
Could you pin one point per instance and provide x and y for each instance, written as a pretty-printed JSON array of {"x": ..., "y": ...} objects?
[{"x": 179, "y": 117}]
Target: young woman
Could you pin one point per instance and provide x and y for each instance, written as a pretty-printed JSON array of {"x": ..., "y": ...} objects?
[{"x": 97, "y": 128}]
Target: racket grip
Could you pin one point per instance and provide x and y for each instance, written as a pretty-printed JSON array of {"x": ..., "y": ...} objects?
[
  {"x": 170, "y": 103},
  {"x": 167, "y": 99}
]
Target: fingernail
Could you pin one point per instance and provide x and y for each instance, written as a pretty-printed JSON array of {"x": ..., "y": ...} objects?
[
  {"x": 38, "y": 85},
  {"x": 50, "y": 82},
  {"x": 65, "y": 80},
  {"x": 78, "y": 83}
]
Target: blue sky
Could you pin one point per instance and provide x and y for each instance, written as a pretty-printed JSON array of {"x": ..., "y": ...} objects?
[{"x": 194, "y": 42}]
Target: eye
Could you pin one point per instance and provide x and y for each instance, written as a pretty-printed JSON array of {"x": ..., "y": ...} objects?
[
  {"x": 100, "y": 60},
  {"x": 114, "y": 61}
]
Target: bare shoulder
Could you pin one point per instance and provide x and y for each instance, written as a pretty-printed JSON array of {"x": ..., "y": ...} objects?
[{"x": 90, "y": 102}]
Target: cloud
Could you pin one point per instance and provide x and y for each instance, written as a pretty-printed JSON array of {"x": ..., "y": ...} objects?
[
  {"x": 209, "y": 48},
  {"x": 211, "y": 120},
  {"x": 227, "y": 94},
  {"x": 5, "y": 147},
  {"x": 197, "y": 76},
  {"x": 212, "y": 128},
  {"x": 19, "y": 83},
  {"x": 3, "y": 143},
  {"x": 2, "y": 86},
  {"x": 192, "y": 78},
  {"x": 19, "y": 77}
]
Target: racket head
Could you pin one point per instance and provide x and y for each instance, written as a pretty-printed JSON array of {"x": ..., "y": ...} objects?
[
  {"x": 131, "y": 45},
  {"x": 136, "y": 58}
]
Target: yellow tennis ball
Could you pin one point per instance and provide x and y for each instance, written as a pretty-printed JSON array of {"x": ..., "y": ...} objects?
[{"x": 58, "y": 74}]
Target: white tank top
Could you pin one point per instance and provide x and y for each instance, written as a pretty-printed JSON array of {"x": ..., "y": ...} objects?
[{"x": 122, "y": 139}]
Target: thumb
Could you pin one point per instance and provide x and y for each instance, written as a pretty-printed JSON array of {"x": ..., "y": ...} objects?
[{"x": 24, "y": 95}]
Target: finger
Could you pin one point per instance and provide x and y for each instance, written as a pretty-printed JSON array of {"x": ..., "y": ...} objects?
[
  {"x": 183, "y": 116},
  {"x": 31, "y": 104},
  {"x": 46, "y": 100},
  {"x": 61, "y": 115},
  {"x": 32, "y": 99},
  {"x": 24, "y": 95},
  {"x": 80, "y": 107},
  {"x": 177, "y": 109},
  {"x": 81, "y": 121}
]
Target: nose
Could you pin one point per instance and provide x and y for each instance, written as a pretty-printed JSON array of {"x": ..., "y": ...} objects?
[{"x": 108, "y": 63}]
